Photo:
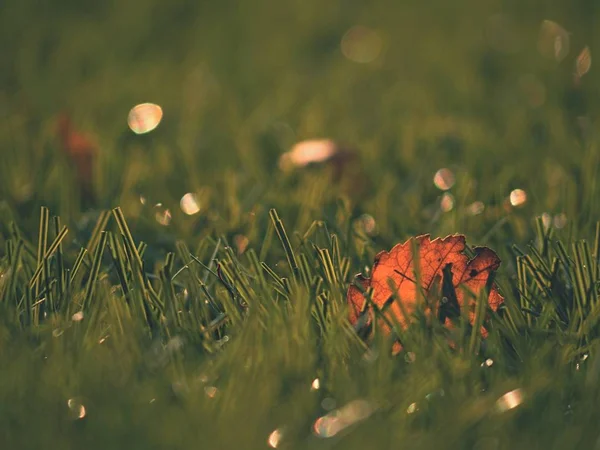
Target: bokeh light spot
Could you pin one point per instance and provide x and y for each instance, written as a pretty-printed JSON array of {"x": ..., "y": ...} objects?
[
  {"x": 189, "y": 204},
  {"x": 144, "y": 117},
  {"x": 308, "y": 152},
  {"x": 475, "y": 208},
  {"x": 275, "y": 438},
  {"x": 76, "y": 408},
  {"x": 510, "y": 400},
  {"x": 444, "y": 179},
  {"x": 447, "y": 202},
  {"x": 332, "y": 423},
  {"x": 518, "y": 197}
]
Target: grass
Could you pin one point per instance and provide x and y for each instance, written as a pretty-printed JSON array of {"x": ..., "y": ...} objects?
[{"x": 210, "y": 331}]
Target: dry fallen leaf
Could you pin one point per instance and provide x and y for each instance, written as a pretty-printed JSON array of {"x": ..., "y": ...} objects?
[
  {"x": 81, "y": 153},
  {"x": 445, "y": 271}
]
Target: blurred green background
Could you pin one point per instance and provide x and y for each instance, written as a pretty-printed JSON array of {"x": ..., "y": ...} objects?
[{"x": 458, "y": 84}]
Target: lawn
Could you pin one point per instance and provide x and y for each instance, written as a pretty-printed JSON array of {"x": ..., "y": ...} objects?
[{"x": 196, "y": 296}]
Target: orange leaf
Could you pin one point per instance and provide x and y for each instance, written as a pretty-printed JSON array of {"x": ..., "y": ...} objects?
[{"x": 443, "y": 270}]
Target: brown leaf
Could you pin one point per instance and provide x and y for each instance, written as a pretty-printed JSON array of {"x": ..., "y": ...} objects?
[{"x": 444, "y": 271}]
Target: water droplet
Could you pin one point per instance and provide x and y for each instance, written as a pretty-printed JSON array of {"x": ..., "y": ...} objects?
[
  {"x": 316, "y": 385},
  {"x": 510, "y": 400},
  {"x": 435, "y": 394},
  {"x": 144, "y": 117},
  {"x": 444, "y": 179},
  {"x": 410, "y": 357},
  {"x": 211, "y": 391},
  {"x": 361, "y": 44},
  {"x": 487, "y": 363},
  {"x": 518, "y": 197},
  {"x": 76, "y": 408},
  {"x": 475, "y": 208},
  {"x": 332, "y": 423},
  {"x": 546, "y": 220},
  {"x": 367, "y": 224},
  {"x": 162, "y": 215},
  {"x": 189, "y": 204},
  {"x": 447, "y": 202},
  {"x": 78, "y": 316},
  {"x": 275, "y": 438},
  {"x": 308, "y": 152},
  {"x": 560, "y": 221}
]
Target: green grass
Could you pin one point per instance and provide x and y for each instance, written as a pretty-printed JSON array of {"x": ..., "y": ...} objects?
[{"x": 185, "y": 341}]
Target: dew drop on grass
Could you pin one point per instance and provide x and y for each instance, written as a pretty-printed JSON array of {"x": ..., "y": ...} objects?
[
  {"x": 510, "y": 400},
  {"x": 275, "y": 438},
  {"x": 487, "y": 363},
  {"x": 518, "y": 197},
  {"x": 162, "y": 215},
  {"x": 315, "y": 385},
  {"x": 475, "y": 208},
  {"x": 332, "y": 423},
  {"x": 76, "y": 408},
  {"x": 560, "y": 221},
  {"x": 144, "y": 117},
  {"x": 308, "y": 152},
  {"x": 447, "y": 202},
  {"x": 211, "y": 391},
  {"x": 546, "y": 220},
  {"x": 189, "y": 204},
  {"x": 444, "y": 179},
  {"x": 435, "y": 394},
  {"x": 410, "y": 357},
  {"x": 368, "y": 224}
]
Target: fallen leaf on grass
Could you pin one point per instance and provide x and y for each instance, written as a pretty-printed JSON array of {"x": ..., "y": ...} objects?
[{"x": 443, "y": 269}]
